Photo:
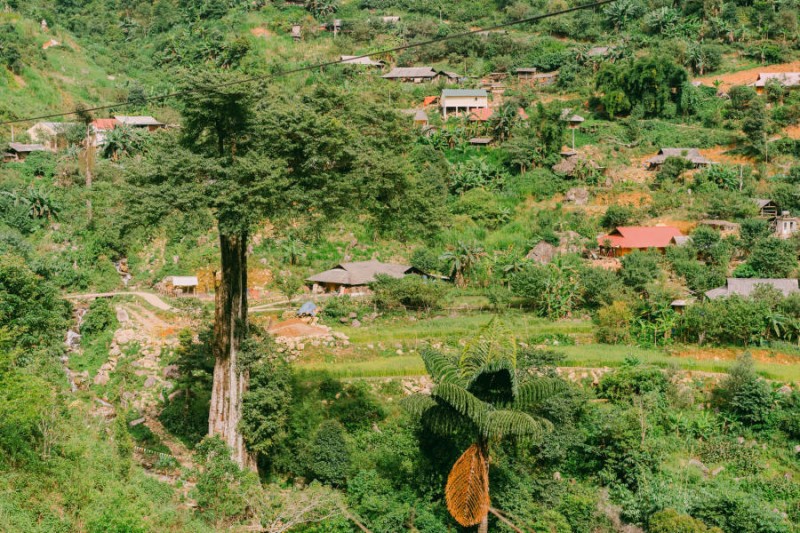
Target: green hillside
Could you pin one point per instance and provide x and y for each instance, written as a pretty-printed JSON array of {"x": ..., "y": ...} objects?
[{"x": 554, "y": 281}]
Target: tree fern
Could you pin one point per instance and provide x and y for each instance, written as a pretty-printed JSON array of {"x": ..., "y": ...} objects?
[
  {"x": 539, "y": 389},
  {"x": 463, "y": 401},
  {"x": 467, "y": 490},
  {"x": 417, "y": 404},
  {"x": 492, "y": 342},
  {"x": 445, "y": 421},
  {"x": 507, "y": 423},
  {"x": 441, "y": 368}
]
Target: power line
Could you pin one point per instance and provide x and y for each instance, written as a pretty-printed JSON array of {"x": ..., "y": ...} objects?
[{"x": 324, "y": 64}]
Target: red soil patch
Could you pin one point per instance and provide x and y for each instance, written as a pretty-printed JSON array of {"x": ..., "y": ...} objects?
[
  {"x": 793, "y": 132},
  {"x": 746, "y": 77},
  {"x": 297, "y": 327}
]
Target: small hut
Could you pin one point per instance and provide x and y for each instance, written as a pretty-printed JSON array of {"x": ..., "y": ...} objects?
[{"x": 180, "y": 285}]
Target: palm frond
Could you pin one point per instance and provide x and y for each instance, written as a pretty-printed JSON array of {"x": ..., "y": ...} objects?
[
  {"x": 496, "y": 372},
  {"x": 444, "y": 421},
  {"x": 463, "y": 401},
  {"x": 417, "y": 404},
  {"x": 493, "y": 341},
  {"x": 504, "y": 422},
  {"x": 467, "y": 489},
  {"x": 536, "y": 390},
  {"x": 442, "y": 369}
]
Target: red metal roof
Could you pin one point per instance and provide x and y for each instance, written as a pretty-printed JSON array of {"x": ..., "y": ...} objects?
[
  {"x": 429, "y": 100},
  {"x": 105, "y": 123},
  {"x": 640, "y": 237}
]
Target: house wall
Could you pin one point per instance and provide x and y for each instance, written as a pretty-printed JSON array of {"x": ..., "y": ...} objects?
[{"x": 471, "y": 102}]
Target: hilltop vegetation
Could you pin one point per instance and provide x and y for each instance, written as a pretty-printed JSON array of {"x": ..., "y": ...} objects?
[{"x": 690, "y": 425}]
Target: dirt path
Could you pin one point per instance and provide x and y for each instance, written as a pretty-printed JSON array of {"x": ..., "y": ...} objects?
[{"x": 148, "y": 297}]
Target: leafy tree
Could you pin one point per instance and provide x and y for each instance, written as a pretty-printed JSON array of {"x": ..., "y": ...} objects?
[
  {"x": 330, "y": 457},
  {"x": 357, "y": 408},
  {"x": 481, "y": 398},
  {"x": 753, "y": 230},
  {"x": 123, "y": 140},
  {"x": 639, "y": 269},
  {"x": 650, "y": 83},
  {"x": 617, "y": 215},
  {"x": 410, "y": 292},
  {"x": 773, "y": 258}
]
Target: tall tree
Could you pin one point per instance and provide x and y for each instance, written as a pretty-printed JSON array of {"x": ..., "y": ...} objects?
[
  {"x": 248, "y": 159},
  {"x": 484, "y": 397}
]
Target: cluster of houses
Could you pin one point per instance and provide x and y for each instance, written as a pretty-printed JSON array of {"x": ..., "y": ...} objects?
[{"x": 51, "y": 136}]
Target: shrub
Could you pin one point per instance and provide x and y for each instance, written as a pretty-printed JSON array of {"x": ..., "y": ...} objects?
[
  {"x": 639, "y": 269},
  {"x": 613, "y": 323},
  {"x": 99, "y": 318},
  {"x": 632, "y": 378},
  {"x": 744, "y": 395},
  {"x": 357, "y": 408},
  {"x": 410, "y": 292},
  {"x": 617, "y": 215},
  {"x": 671, "y": 521},
  {"x": 330, "y": 457},
  {"x": 426, "y": 260}
]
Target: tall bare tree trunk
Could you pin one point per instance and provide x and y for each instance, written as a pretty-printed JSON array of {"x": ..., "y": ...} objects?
[
  {"x": 230, "y": 329},
  {"x": 483, "y": 527}
]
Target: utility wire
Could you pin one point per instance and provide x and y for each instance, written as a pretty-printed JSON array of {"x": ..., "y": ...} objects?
[{"x": 535, "y": 18}]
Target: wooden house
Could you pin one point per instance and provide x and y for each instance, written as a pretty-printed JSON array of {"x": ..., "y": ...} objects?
[
  {"x": 50, "y": 134},
  {"x": 363, "y": 61},
  {"x": 626, "y": 239},
  {"x": 18, "y": 152},
  {"x": 100, "y": 127},
  {"x": 692, "y": 155},
  {"x": 140, "y": 122},
  {"x": 744, "y": 287},
  {"x": 789, "y": 80},
  {"x": 531, "y": 76},
  {"x": 458, "y": 101},
  {"x": 354, "y": 278},
  {"x": 412, "y": 74},
  {"x": 766, "y": 208},
  {"x": 180, "y": 285}
]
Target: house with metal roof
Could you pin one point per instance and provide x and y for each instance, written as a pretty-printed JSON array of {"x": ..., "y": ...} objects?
[
  {"x": 692, "y": 155},
  {"x": 51, "y": 134},
  {"x": 744, "y": 287},
  {"x": 354, "y": 278},
  {"x": 139, "y": 122},
  {"x": 412, "y": 74},
  {"x": 18, "y": 152},
  {"x": 457, "y": 101},
  {"x": 626, "y": 239},
  {"x": 789, "y": 80},
  {"x": 180, "y": 285},
  {"x": 364, "y": 61}
]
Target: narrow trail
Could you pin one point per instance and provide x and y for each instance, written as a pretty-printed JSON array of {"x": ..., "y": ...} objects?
[{"x": 148, "y": 297}]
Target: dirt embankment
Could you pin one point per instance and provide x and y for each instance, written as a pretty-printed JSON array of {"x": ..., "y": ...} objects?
[{"x": 746, "y": 77}]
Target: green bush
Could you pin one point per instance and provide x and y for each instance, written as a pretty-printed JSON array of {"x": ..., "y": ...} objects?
[
  {"x": 671, "y": 521},
  {"x": 330, "y": 457},
  {"x": 744, "y": 395},
  {"x": 357, "y": 408},
  {"x": 409, "y": 292},
  {"x": 633, "y": 379},
  {"x": 639, "y": 269},
  {"x": 99, "y": 318}
]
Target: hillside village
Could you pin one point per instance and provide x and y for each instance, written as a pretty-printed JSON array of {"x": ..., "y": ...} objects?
[{"x": 382, "y": 266}]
